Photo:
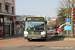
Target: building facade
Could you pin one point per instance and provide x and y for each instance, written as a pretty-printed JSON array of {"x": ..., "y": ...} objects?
[
  {"x": 7, "y": 17},
  {"x": 20, "y": 23}
]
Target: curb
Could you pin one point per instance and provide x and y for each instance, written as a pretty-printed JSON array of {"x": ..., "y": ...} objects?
[
  {"x": 62, "y": 38},
  {"x": 69, "y": 39},
  {"x": 1, "y": 38}
]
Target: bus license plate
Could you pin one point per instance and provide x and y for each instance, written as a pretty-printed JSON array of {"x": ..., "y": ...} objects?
[{"x": 34, "y": 38}]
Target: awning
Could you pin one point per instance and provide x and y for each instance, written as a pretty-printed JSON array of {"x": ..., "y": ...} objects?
[{"x": 8, "y": 14}]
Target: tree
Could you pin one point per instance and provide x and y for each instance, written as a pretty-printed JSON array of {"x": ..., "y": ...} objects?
[{"x": 62, "y": 11}]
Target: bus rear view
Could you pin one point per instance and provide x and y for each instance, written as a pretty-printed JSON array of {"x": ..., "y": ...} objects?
[{"x": 35, "y": 28}]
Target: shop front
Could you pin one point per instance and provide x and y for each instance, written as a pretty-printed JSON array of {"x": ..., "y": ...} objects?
[
  {"x": 19, "y": 27},
  {"x": 7, "y": 25},
  {"x": 1, "y": 25}
]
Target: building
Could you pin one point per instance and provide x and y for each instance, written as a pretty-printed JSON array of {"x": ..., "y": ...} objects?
[
  {"x": 48, "y": 20},
  {"x": 20, "y": 24},
  {"x": 7, "y": 17}
]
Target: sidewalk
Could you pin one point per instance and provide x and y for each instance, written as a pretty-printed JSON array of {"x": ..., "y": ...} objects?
[
  {"x": 69, "y": 39},
  {"x": 9, "y": 37},
  {"x": 62, "y": 38}
]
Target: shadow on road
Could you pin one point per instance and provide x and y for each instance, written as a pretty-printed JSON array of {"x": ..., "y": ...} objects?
[
  {"x": 49, "y": 40},
  {"x": 58, "y": 38},
  {"x": 50, "y": 37}
]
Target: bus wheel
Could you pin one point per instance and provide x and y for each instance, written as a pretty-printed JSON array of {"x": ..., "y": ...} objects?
[{"x": 29, "y": 39}]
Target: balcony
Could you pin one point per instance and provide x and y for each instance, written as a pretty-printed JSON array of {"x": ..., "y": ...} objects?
[{"x": 6, "y": 1}]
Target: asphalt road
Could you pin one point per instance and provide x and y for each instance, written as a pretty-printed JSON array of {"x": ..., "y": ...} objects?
[{"x": 19, "y": 43}]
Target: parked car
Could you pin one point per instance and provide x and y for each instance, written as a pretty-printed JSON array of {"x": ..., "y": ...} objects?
[
  {"x": 56, "y": 32},
  {"x": 51, "y": 30}
]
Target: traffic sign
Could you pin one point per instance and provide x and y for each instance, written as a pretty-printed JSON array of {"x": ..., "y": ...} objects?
[
  {"x": 67, "y": 27},
  {"x": 67, "y": 20},
  {"x": 67, "y": 23},
  {"x": 59, "y": 29}
]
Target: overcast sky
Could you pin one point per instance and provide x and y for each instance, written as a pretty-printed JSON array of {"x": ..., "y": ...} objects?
[{"x": 36, "y": 7}]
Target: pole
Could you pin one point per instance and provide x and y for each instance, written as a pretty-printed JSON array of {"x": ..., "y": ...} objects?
[
  {"x": 72, "y": 31},
  {"x": 56, "y": 25},
  {"x": 73, "y": 19},
  {"x": 67, "y": 15}
]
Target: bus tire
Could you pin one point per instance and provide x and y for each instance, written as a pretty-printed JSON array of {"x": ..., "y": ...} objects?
[{"x": 29, "y": 39}]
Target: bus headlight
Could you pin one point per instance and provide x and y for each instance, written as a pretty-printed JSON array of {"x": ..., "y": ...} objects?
[
  {"x": 25, "y": 33},
  {"x": 43, "y": 33}
]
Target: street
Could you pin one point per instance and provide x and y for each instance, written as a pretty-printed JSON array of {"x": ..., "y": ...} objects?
[
  {"x": 20, "y": 41},
  {"x": 37, "y": 25}
]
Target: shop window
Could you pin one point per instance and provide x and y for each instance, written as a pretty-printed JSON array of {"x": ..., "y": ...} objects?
[
  {"x": 17, "y": 22},
  {"x": 8, "y": 20},
  {"x": 11, "y": 19},
  {"x": 19, "y": 27},
  {"x": 1, "y": 30},
  {"x": 1, "y": 26},
  {"x": 21, "y": 23},
  {"x": 7, "y": 30},
  {"x": 1, "y": 21},
  {"x": 5, "y": 19}
]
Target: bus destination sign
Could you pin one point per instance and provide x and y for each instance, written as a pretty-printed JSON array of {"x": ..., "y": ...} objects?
[{"x": 35, "y": 19}]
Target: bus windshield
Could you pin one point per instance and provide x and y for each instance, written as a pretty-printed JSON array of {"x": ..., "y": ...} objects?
[{"x": 34, "y": 26}]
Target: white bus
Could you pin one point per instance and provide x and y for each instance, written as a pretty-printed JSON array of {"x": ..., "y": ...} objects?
[{"x": 35, "y": 28}]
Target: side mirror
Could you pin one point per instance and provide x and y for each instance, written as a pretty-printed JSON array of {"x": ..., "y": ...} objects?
[{"x": 45, "y": 22}]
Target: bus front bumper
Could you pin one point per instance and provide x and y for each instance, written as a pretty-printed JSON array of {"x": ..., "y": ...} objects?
[{"x": 35, "y": 37}]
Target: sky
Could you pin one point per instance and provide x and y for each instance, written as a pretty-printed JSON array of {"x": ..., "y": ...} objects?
[{"x": 36, "y": 7}]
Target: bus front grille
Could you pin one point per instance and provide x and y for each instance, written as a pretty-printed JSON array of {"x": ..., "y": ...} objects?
[{"x": 34, "y": 33}]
